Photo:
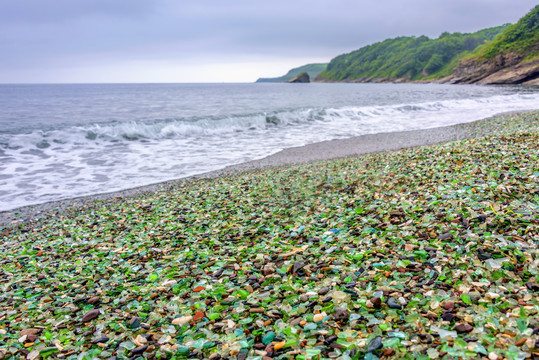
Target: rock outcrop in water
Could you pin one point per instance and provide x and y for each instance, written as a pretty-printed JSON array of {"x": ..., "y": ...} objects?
[
  {"x": 312, "y": 69},
  {"x": 301, "y": 78}
]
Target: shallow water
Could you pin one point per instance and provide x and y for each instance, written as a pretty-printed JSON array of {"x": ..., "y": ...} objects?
[{"x": 63, "y": 141}]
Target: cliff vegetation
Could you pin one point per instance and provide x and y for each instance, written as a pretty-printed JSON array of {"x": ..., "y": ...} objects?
[
  {"x": 511, "y": 58},
  {"x": 507, "y": 54},
  {"x": 521, "y": 38},
  {"x": 407, "y": 58}
]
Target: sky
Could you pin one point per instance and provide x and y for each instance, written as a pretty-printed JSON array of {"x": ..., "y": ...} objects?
[{"x": 133, "y": 41}]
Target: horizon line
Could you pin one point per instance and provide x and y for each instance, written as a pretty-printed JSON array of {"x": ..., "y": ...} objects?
[{"x": 125, "y": 83}]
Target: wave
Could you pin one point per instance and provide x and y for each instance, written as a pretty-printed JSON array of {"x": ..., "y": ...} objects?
[
  {"x": 362, "y": 119},
  {"x": 75, "y": 160},
  {"x": 158, "y": 129}
]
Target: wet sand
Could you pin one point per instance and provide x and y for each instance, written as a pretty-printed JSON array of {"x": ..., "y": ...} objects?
[{"x": 325, "y": 150}]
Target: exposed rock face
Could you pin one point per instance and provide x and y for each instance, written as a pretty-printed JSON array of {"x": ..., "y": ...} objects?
[
  {"x": 301, "y": 78},
  {"x": 502, "y": 69},
  {"x": 523, "y": 73}
]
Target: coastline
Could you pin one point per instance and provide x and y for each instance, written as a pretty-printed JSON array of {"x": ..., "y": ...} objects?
[
  {"x": 320, "y": 151},
  {"x": 413, "y": 252}
]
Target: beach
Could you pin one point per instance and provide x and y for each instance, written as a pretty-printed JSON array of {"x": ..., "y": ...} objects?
[
  {"x": 326, "y": 150},
  {"x": 410, "y": 245},
  {"x": 280, "y": 181},
  {"x": 109, "y": 138}
]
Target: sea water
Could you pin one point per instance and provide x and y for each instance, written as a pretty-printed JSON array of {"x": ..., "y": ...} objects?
[{"x": 64, "y": 141}]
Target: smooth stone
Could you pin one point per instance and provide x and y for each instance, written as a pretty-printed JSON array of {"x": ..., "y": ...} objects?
[
  {"x": 298, "y": 265},
  {"x": 330, "y": 339},
  {"x": 31, "y": 331},
  {"x": 182, "y": 320},
  {"x": 139, "y": 350},
  {"x": 450, "y": 305},
  {"x": 448, "y": 317},
  {"x": 323, "y": 291},
  {"x": 463, "y": 328},
  {"x": 445, "y": 236},
  {"x": 341, "y": 314},
  {"x": 102, "y": 339},
  {"x": 374, "y": 344},
  {"x": 90, "y": 315},
  {"x": 531, "y": 286},
  {"x": 388, "y": 352},
  {"x": 431, "y": 315},
  {"x": 394, "y": 304},
  {"x": 376, "y": 302},
  {"x": 93, "y": 300}
]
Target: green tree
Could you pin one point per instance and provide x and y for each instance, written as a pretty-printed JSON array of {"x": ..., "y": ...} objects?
[{"x": 407, "y": 57}]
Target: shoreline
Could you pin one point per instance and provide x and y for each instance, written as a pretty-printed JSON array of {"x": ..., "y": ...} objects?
[
  {"x": 320, "y": 151},
  {"x": 413, "y": 252}
]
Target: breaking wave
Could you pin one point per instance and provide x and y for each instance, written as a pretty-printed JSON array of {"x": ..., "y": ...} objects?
[
  {"x": 70, "y": 160},
  {"x": 368, "y": 119}
]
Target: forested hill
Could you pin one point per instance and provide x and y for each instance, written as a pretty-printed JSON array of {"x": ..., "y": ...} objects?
[
  {"x": 511, "y": 58},
  {"x": 521, "y": 38},
  {"x": 312, "y": 69},
  {"x": 407, "y": 58}
]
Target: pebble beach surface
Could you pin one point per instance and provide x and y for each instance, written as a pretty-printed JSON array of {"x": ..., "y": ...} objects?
[{"x": 425, "y": 252}]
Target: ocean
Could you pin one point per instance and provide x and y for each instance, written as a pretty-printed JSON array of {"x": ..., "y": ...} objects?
[{"x": 65, "y": 141}]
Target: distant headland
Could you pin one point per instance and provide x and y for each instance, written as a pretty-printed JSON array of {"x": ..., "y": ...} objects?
[
  {"x": 311, "y": 69},
  {"x": 506, "y": 54}
]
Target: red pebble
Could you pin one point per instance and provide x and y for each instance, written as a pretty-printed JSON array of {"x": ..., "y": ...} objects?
[{"x": 199, "y": 315}]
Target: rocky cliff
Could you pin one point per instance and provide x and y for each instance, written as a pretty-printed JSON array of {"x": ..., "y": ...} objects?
[
  {"x": 406, "y": 58},
  {"x": 511, "y": 58},
  {"x": 505, "y": 68}
]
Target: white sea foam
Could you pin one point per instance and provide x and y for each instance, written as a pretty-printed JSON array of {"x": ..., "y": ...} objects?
[{"x": 81, "y": 159}]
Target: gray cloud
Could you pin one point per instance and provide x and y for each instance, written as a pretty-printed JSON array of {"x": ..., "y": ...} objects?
[
  {"x": 42, "y": 36},
  {"x": 33, "y": 12}
]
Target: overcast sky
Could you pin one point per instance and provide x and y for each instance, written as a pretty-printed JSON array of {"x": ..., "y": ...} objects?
[{"x": 51, "y": 41}]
